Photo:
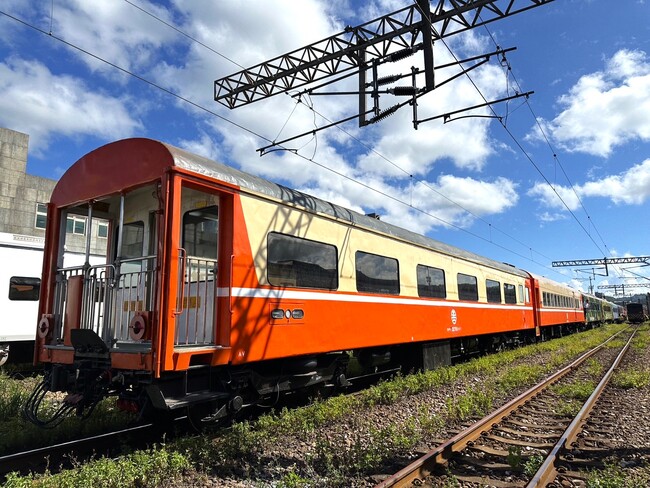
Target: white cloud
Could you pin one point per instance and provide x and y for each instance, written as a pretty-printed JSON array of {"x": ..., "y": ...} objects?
[
  {"x": 388, "y": 152},
  {"x": 554, "y": 199},
  {"x": 631, "y": 187},
  {"x": 42, "y": 104},
  {"x": 126, "y": 36},
  {"x": 605, "y": 109}
]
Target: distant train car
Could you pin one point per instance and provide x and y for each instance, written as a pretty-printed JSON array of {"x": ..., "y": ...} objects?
[
  {"x": 20, "y": 280},
  {"x": 619, "y": 313},
  {"x": 220, "y": 289},
  {"x": 594, "y": 313},
  {"x": 608, "y": 311},
  {"x": 557, "y": 304},
  {"x": 637, "y": 313}
]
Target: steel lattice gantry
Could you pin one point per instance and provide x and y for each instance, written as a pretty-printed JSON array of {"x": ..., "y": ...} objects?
[
  {"x": 603, "y": 261},
  {"x": 412, "y": 27}
]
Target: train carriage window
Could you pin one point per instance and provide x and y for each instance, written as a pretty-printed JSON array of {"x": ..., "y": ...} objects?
[
  {"x": 509, "y": 293},
  {"x": 23, "y": 288},
  {"x": 431, "y": 282},
  {"x": 376, "y": 274},
  {"x": 545, "y": 299},
  {"x": 297, "y": 262},
  {"x": 493, "y": 289},
  {"x": 200, "y": 232},
  {"x": 132, "y": 240},
  {"x": 520, "y": 289},
  {"x": 467, "y": 287},
  {"x": 527, "y": 292}
]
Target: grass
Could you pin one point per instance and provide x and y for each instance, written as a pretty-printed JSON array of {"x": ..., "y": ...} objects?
[
  {"x": 631, "y": 378},
  {"x": 18, "y": 433},
  {"x": 150, "y": 468},
  {"x": 242, "y": 447},
  {"x": 614, "y": 476},
  {"x": 575, "y": 390}
]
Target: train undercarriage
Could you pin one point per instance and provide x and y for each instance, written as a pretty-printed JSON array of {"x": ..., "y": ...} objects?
[{"x": 210, "y": 394}]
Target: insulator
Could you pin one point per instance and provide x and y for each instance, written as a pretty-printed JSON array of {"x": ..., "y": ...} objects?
[
  {"x": 403, "y": 91},
  {"x": 402, "y": 54},
  {"x": 385, "y": 80},
  {"x": 383, "y": 114}
]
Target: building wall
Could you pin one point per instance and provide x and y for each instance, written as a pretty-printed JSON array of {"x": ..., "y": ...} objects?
[{"x": 20, "y": 193}]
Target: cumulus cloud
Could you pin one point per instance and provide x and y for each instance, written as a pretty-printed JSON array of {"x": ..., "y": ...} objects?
[
  {"x": 386, "y": 156},
  {"x": 631, "y": 187},
  {"x": 42, "y": 104},
  {"x": 607, "y": 108},
  {"x": 557, "y": 197}
]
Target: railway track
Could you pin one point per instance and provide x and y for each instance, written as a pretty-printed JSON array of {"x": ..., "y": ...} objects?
[
  {"x": 529, "y": 442},
  {"x": 56, "y": 455}
]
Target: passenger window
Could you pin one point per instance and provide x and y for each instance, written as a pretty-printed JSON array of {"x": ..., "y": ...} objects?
[
  {"x": 22, "y": 288},
  {"x": 510, "y": 294},
  {"x": 301, "y": 263},
  {"x": 520, "y": 289},
  {"x": 431, "y": 282},
  {"x": 493, "y": 289},
  {"x": 467, "y": 287},
  {"x": 376, "y": 274},
  {"x": 132, "y": 240},
  {"x": 200, "y": 232}
]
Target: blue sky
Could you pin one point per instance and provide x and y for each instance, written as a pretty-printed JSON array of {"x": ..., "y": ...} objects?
[{"x": 583, "y": 136}]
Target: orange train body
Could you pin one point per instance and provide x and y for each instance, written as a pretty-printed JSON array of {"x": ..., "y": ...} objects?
[{"x": 211, "y": 269}]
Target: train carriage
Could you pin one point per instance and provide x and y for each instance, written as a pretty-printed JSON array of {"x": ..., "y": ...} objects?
[
  {"x": 21, "y": 258},
  {"x": 557, "y": 304},
  {"x": 220, "y": 288}
]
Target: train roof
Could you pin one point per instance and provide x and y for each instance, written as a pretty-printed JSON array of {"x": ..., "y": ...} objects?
[{"x": 132, "y": 162}]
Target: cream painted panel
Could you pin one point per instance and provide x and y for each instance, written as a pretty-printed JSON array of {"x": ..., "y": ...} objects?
[{"x": 264, "y": 216}]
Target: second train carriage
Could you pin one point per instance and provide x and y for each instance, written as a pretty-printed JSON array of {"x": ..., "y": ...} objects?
[{"x": 219, "y": 287}]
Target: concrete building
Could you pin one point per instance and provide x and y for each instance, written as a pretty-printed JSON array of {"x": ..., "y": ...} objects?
[{"x": 24, "y": 198}]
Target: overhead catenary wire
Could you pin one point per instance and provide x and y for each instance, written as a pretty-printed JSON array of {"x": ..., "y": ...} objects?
[
  {"x": 508, "y": 67},
  {"x": 311, "y": 160},
  {"x": 311, "y": 107},
  {"x": 520, "y": 146}
]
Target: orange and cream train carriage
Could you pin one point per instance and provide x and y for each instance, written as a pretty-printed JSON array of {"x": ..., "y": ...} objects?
[{"x": 220, "y": 289}]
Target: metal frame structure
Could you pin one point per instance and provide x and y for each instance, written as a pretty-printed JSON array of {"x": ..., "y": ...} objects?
[
  {"x": 361, "y": 49},
  {"x": 356, "y": 47}
]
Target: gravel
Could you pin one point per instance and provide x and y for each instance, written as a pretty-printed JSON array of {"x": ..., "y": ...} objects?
[{"x": 328, "y": 455}]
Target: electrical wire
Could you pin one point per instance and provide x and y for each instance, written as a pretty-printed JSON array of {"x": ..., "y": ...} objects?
[
  {"x": 311, "y": 160},
  {"x": 518, "y": 144},
  {"x": 310, "y": 106},
  {"x": 508, "y": 67}
]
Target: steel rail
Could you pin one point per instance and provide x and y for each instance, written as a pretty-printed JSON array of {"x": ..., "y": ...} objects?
[
  {"x": 547, "y": 471},
  {"x": 426, "y": 465},
  {"x": 28, "y": 460}
]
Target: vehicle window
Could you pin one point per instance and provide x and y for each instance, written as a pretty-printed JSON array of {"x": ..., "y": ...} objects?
[
  {"x": 132, "y": 240},
  {"x": 24, "y": 288},
  {"x": 520, "y": 293},
  {"x": 297, "y": 262},
  {"x": 467, "y": 287},
  {"x": 509, "y": 293},
  {"x": 376, "y": 274},
  {"x": 493, "y": 289},
  {"x": 431, "y": 282},
  {"x": 200, "y": 232}
]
